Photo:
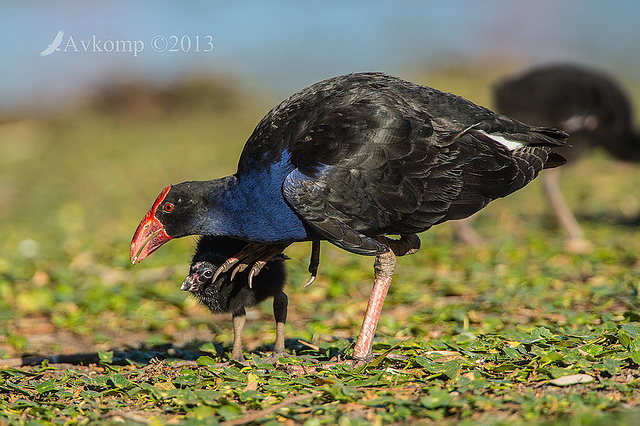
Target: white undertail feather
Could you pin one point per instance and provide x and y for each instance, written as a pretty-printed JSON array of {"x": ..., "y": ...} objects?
[{"x": 510, "y": 145}]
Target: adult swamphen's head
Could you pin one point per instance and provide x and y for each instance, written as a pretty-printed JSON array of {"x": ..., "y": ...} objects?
[
  {"x": 350, "y": 160},
  {"x": 174, "y": 214}
]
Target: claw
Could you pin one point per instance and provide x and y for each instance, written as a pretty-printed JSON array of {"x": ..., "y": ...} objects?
[
  {"x": 255, "y": 270},
  {"x": 224, "y": 267},
  {"x": 254, "y": 255},
  {"x": 243, "y": 254},
  {"x": 250, "y": 279},
  {"x": 310, "y": 281},
  {"x": 241, "y": 267},
  {"x": 314, "y": 262}
]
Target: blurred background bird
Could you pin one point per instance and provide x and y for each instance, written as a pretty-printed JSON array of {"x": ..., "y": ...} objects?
[{"x": 588, "y": 104}]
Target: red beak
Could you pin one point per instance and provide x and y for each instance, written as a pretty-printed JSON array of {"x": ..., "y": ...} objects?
[{"x": 150, "y": 234}]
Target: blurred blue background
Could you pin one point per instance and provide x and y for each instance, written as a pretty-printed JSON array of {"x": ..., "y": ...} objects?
[{"x": 281, "y": 46}]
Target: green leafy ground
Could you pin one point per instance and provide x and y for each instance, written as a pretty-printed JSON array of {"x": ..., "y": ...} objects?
[{"x": 472, "y": 335}]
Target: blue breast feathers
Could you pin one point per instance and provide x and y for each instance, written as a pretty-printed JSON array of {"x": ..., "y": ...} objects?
[{"x": 257, "y": 211}]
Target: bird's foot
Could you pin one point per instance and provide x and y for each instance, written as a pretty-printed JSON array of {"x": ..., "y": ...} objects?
[
  {"x": 275, "y": 357},
  {"x": 578, "y": 246},
  {"x": 254, "y": 255},
  {"x": 298, "y": 369}
]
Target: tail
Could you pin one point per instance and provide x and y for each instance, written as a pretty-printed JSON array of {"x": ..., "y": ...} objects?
[
  {"x": 554, "y": 160},
  {"x": 516, "y": 130},
  {"x": 538, "y": 137},
  {"x": 548, "y": 136},
  {"x": 552, "y": 138}
]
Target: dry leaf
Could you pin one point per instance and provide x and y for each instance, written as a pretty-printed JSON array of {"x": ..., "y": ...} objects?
[{"x": 572, "y": 380}]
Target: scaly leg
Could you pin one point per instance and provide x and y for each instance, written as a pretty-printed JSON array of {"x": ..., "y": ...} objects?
[
  {"x": 238, "y": 325},
  {"x": 384, "y": 266},
  {"x": 280, "y": 303}
]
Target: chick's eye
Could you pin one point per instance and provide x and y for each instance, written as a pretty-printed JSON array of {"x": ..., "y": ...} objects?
[
  {"x": 168, "y": 207},
  {"x": 208, "y": 274}
]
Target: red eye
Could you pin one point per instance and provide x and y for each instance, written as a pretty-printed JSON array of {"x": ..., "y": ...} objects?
[{"x": 168, "y": 207}]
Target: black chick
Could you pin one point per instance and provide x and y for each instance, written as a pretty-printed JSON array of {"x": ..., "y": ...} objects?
[{"x": 231, "y": 293}]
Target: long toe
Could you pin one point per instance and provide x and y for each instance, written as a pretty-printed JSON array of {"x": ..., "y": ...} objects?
[
  {"x": 241, "y": 359},
  {"x": 297, "y": 369},
  {"x": 578, "y": 246},
  {"x": 227, "y": 265},
  {"x": 275, "y": 357}
]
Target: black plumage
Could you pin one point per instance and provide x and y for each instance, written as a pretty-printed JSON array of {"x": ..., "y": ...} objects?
[
  {"x": 589, "y": 105},
  {"x": 350, "y": 160},
  {"x": 233, "y": 295}
]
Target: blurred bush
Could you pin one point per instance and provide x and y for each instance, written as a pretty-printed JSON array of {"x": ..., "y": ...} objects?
[{"x": 140, "y": 99}]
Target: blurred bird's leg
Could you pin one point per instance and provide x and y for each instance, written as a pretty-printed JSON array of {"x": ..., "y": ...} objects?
[
  {"x": 280, "y": 303},
  {"x": 464, "y": 232},
  {"x": 314, "y": 262},
  {"x": 238, "y": 325},
  {"x": 575, "y": 243},
  {"x": 576, "y": 123}
]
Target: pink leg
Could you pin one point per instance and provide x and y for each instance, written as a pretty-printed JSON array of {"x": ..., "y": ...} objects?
[
  {"x": 384, "y": 266},
  {"x": 464, "y": 232}
]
